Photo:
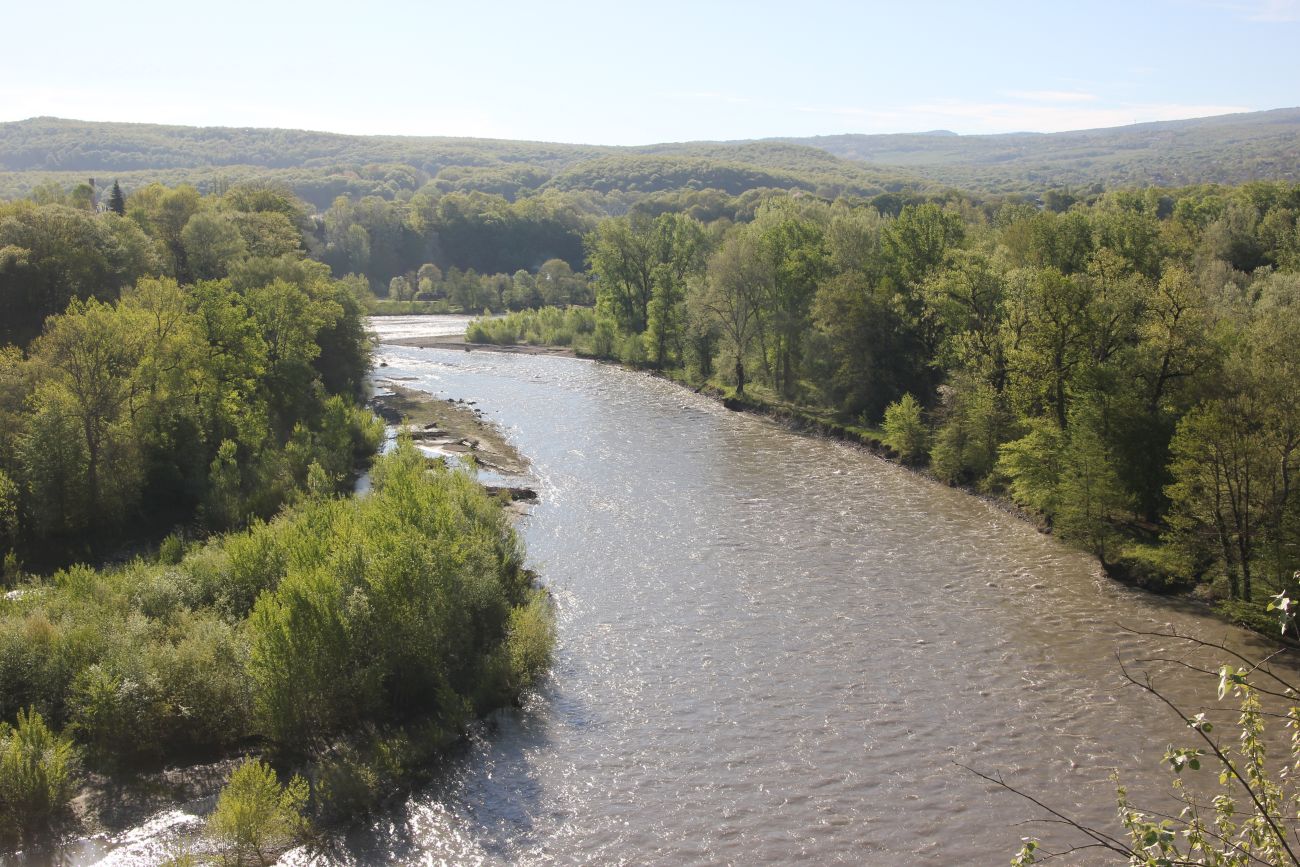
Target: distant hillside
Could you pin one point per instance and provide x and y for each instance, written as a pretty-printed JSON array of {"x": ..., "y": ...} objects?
[
  {"x": 1231, "y": 149},
  {"x": 320, "y": 166}
]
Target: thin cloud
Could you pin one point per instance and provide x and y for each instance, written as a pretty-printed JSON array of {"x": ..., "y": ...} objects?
[{"x": 841, "y": 111}]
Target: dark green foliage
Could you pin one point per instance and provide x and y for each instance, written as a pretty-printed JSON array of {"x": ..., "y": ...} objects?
[
  {"x": 219, "y": 395},
  {"x": 52, "y": 254},
  {"x": 117, "y": 200}
]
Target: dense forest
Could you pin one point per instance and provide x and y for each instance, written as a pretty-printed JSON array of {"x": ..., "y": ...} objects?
[
  {"x": 168, "y": 367},
  {"x": 1121, "y": 367}
]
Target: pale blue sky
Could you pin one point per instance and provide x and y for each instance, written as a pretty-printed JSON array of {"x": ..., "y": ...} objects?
[{"x": 635, "y": 73}]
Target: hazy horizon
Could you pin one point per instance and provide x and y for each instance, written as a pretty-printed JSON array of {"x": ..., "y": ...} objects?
[
  {"x": 381, "y": 134},
  {"x": 579, "y": 72}
]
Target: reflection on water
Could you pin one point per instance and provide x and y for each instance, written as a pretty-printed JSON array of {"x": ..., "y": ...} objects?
[
  {"x": 397, "y": 327},
  {"x": 774, "y": 648}
]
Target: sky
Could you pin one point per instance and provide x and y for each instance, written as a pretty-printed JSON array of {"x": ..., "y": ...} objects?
[{"x": 641, "y": 72}]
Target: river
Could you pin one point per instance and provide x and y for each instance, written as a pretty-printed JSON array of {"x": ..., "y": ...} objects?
[{"x": 776, "y": 648}]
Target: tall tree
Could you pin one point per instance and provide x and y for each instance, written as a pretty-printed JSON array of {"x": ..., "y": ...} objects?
[
  {"x": 622, "y": 253},
  {"x": 117, "y": 200},
  {"x": 732, "y": 295},
  {"x": 792, "y": 251},
  {"x": 85, "y": 363}
]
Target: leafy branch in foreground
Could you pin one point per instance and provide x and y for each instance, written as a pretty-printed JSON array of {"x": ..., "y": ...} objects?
[{"x": 1251, "y": 818}]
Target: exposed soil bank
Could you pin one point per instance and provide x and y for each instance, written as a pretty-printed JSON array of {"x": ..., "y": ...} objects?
[{"x": 448, "y": 426}]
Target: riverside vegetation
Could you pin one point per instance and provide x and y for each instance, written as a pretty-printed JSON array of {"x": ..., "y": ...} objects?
[
  {"x": 350, "y": 638},
  {"x": 181, "y": 402},
  {"x": 1121, "y": 367}
]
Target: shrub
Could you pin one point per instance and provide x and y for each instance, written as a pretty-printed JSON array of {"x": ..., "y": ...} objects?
[
  {"x": 530, "y": 640},
  {"x": 36, "y": 775},
  {"x": 393, "y": 608},
  {"x": 171, "y": 550},
  {"x": 380, "y": 613},
  {"x": 905, "y": 431},
  {"x": 256, "y": 818}
]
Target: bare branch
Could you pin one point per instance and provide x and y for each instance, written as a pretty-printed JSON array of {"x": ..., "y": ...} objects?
[{"x": 1099, "y": 838}]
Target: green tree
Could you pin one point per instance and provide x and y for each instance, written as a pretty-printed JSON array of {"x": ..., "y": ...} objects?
[
  {"x": 905, "y": 430},
  {"x": 622, "y": 252},
  {"x": 732, "y": 295},
  {"x": 973, "y": 425},
  {"x": 211, "y": 243},
  {"x": 791, "y": 250},
  {"x": 85, "y": 363},
  {"x": 1046, "y": 334},
  {"x": 117, "y": 200},
  {"x": 256, "y": 818},
  {"x": 1033, "y": 464},
  {"x": 1090, "y": 497},
  {"x": 680, "y": 257}
]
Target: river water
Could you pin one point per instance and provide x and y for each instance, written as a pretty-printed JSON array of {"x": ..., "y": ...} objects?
[{"x": 778, "y": 648}]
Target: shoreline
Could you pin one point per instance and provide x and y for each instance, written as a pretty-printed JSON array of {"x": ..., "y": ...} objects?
[
  {"x": 447, "y": 426},
  {"x": 806, "y": 421},
  {"x": 1179, "y": 594},
  {"x": 459, "y": 342}
]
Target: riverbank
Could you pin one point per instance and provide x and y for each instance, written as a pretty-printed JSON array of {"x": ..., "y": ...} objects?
[
  {"x": 1125, "y": 567},
  {"x": 1135, "y": 562},
  {"x": 446, "y": 426},
  {"x": 458, "y": 342}
]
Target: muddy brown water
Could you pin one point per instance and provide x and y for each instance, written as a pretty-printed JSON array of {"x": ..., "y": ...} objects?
[{"x": 775, "y": 648}]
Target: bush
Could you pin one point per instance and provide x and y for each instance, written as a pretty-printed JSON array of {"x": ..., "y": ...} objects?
[
  {"x": 394, "y": 608},
  {"x": 905, "y": 431},
  {"x": 171, "y": 550},
  {"x": 36, "y": 775},
  {"x": 256, "y": 818},
  {"x": 530, "y": 640},
  {"x": 547, "y": 326}
]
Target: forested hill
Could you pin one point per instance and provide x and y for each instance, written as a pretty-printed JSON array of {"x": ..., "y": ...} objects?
[
  {"x": 320, "y": 166},
  {"x": 1230, "y": 149}
]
